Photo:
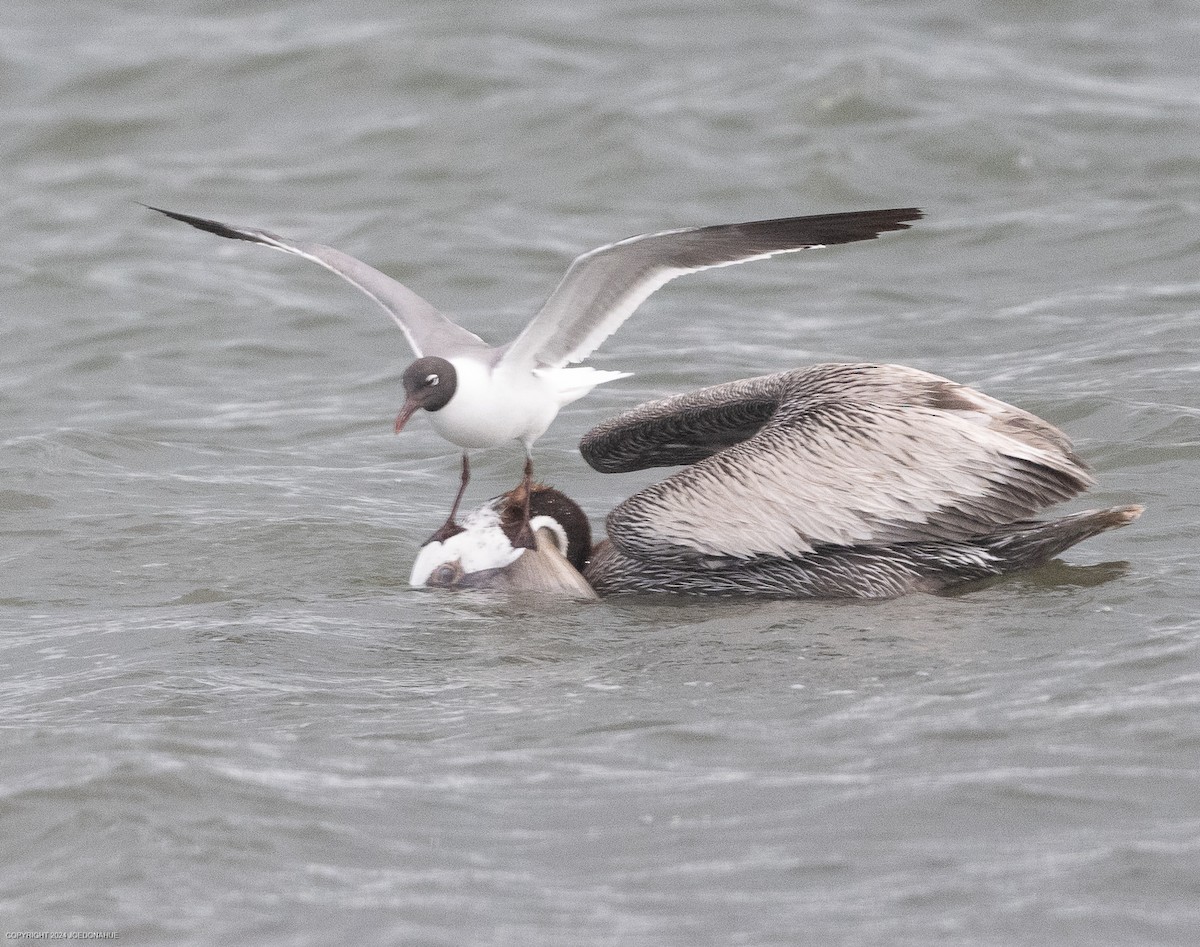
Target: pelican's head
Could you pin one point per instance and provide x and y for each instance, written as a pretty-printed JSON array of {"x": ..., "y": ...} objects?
[{"x": 483, "y": 556}]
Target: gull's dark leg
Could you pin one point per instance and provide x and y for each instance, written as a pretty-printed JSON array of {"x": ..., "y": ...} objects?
[
  {"x": 524, "y": 538},
  {"x": 450, "y": 527},
  {"x": 462, "y": 488}
]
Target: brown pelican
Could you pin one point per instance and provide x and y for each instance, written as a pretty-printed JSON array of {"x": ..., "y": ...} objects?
[
  {"x": 477, "y": 395},
  {"x": 833, "y": 481}
]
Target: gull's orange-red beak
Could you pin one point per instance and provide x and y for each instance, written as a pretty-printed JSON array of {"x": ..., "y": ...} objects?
[{"x": 411, "y": 406}]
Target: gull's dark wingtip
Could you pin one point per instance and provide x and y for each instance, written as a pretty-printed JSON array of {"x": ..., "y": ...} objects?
[
  {"x": 208, "y": 226},
  {"x": 879, "y": 221},
  {"x": 904, "y": 216},
  {"x": 823, "y": 230}
]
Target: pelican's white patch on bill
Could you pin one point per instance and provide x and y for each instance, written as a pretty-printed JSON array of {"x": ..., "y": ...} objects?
[
  {"x": 554, "y": 526},
  {"x": 481, "y": 545}
]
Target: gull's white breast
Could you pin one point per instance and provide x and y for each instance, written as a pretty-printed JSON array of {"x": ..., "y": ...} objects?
[{"x": 493, "y": 406}]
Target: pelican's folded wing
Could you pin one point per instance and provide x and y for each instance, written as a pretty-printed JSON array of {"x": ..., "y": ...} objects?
[{"x": 842, "y": 455}]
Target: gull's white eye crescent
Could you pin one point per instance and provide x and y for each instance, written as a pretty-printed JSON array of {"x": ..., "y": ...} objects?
[{"x": 432, "y": 380}]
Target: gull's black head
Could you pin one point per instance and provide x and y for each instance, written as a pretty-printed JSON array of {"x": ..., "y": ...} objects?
[{"x": 429, "y": 383}]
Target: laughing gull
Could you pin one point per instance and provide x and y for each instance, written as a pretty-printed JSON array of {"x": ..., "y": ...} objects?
[
  {"x": 483, "y": 396},
  {"x": 833, "y": 481}
]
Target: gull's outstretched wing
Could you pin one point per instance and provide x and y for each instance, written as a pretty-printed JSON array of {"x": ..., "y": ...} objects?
[
  {"x": 602, "y": 288},
  {"x": 427, "y": 330},
  {"x": 832, "y": 455}
]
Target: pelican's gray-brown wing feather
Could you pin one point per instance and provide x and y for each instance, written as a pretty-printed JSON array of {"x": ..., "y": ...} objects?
[
  {"x": 426, "y": 329},
  {"x": 603, "y": 288},
  {"x": 847, "y": 455}
]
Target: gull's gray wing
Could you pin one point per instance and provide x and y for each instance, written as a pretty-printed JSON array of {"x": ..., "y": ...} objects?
[
  {"x": 841, "y": 455},
  {"x": 427, "y": 330},
  {"x": 602, "y": 288}
]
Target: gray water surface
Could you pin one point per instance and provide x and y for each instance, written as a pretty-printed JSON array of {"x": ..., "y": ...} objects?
[{"x": 225, "y": 716}]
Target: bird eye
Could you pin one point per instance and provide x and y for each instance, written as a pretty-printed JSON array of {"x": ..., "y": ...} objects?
[
  {"x": 445, "y": 574},
  {"x": 432, "y": 379}
]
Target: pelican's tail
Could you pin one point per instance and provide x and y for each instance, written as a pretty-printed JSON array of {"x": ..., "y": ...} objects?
[{"x": 1033, "y": 542}]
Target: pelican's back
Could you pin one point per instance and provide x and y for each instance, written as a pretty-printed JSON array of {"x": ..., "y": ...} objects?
[{"x": 836, "y": 454}]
